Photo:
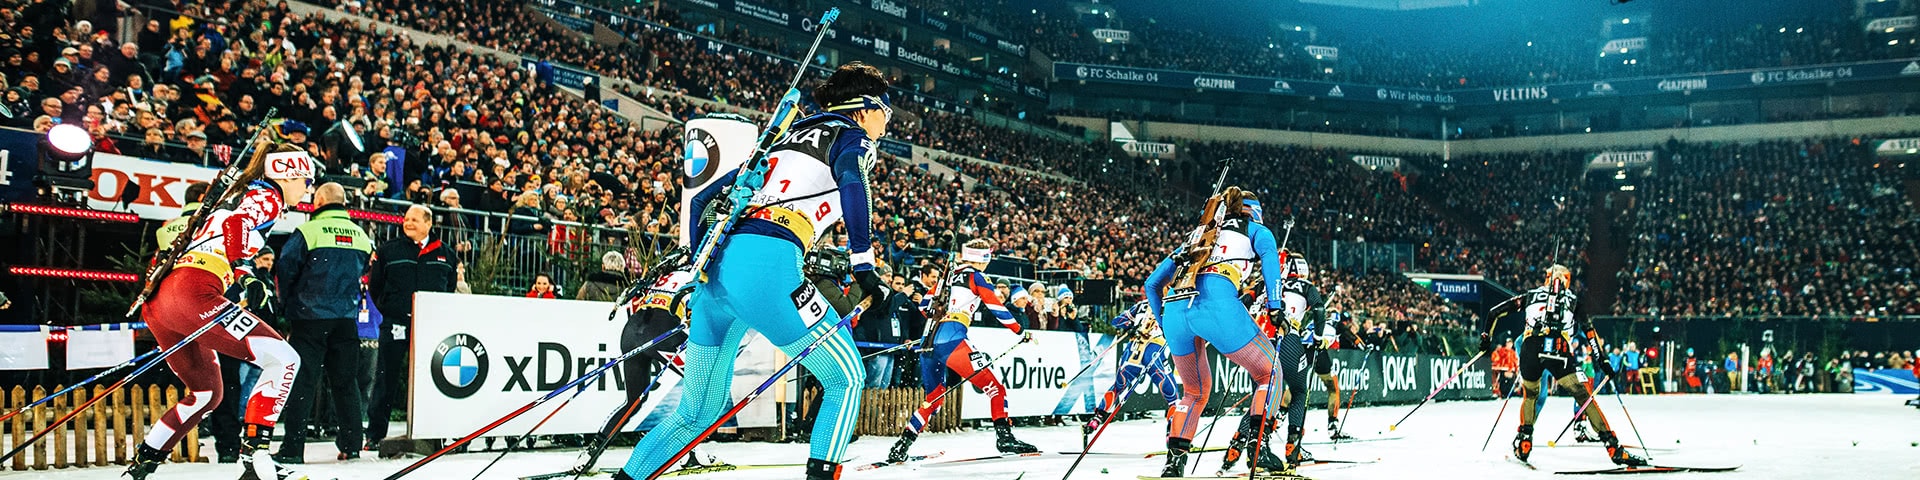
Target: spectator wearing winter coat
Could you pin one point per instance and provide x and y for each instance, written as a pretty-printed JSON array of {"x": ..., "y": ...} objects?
[{"x": 606, "y": 284}]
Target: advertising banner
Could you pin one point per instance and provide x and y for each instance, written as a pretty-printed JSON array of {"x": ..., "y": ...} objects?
[
  {"x": 1370, "y": 379},
  {"x": 161, "y": 186},
  {"x": 714, "y": 147},
  {"x": 1880, "y": 70},
  {"x": 1606, "y": 160},
  {"x": 1892, "y": 24},
  {"x": 485, "y": 356},
  {"x": 19, "y": 163},
  {"x": 1885, "y": 381},
  {"x": 563, "y": 75},
  {"x": 1375, "y": 162},
  {"x": 1329, "y": 54},
  {"x": 1624, "y": 45},
  {"x": 1036, "y": 373},
  {"x": 572, "y": 22},
  {"x": 1110, "y": 35},
  {"x": 1898, "y": 146}
]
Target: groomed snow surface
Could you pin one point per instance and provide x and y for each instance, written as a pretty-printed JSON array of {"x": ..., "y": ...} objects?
[{"x": 1770, "y": 436}]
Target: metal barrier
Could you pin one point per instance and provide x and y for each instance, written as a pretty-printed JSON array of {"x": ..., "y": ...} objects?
[{"x": 500, "y": 263}]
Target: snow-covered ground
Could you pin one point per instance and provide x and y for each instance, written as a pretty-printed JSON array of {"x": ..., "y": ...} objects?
[{"x": 1776, "y": 436}]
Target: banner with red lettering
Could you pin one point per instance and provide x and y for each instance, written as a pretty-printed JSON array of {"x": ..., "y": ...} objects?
[{"x": 158, "y": 188}]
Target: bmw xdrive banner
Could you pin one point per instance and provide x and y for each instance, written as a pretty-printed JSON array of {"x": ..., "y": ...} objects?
[
  {"x": 482, "y": 356},
  {"x": 715, "y": 145}
]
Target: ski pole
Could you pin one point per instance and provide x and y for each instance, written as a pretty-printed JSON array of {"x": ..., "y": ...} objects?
[
  {"x": 742, "y": 404},
  {"x": 22, "y": 446},
  {"x": 624, "y": 415},
  {"x": 1115, "y": 406},
  {"x": 556, "y": 410},
  {"x": 958, "y": 386},
  {"x": 78, "y": 385},
  {"x": 225, "y": 180},
  {"x": 580, "y": 383},
  {"x": 891, "y": 349},
  {"x": 1496, "y": 421},
  {"x": 751, "y": 174},
  {"x": 1636, "y": 428},
  {"x": 1205, "y": 432},
  {"x": 1437, "y": 389},
  {"x": 1122, "y": 337},
  {"x": 1580, "y": 413},
  {"x": 1353, "y": 393}
]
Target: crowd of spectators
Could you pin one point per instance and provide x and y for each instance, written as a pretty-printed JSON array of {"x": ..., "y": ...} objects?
[
  {"x": 1817, "y": 226},
  {"x": 479, "y": 134}
]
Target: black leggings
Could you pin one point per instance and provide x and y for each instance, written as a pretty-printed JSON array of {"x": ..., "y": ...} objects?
[{"x": 639, "y": 370}]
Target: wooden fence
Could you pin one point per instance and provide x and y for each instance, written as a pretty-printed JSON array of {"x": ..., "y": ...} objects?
[
  {"x": 105, "y": 434},
  {"x": 885, "y": 411}
]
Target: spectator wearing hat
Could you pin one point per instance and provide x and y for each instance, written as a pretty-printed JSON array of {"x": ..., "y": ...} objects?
[
  {"x": 606, "y": 284},
  {"x": 196, "y": 151},
  {"x": 294, "y": 131}
]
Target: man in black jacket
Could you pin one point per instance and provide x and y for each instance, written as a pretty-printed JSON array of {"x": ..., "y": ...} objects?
[
  {"x": 401, "y": 267},
  {"x": 319, "y": 274}
]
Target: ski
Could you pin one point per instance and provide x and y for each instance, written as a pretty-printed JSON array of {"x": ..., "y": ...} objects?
[
  {"x": 1199, "y": 450},
  {"x": 727, "y": 467},
  {"x": 1629, "y": 447},
  {"x": 1522, "y": 463},
  {"x": 1262, "y": 476},
  {"x": 1355, "y": 440},
  {"x": 1003, "y": 456},
  {"x": 1648, "y": 469},
  {"x": 910, "y": 458},
  {"x": 570, "y": 474}
]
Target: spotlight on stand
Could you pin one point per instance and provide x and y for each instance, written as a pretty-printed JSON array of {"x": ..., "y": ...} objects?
[{"x": 66, "y": 163}]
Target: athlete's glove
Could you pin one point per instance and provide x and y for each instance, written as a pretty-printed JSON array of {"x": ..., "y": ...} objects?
[
  {"x": 1486, "y": 343},
  {"x": 871, "y": 285},
  {"x": 1026, "y": 336},
  {"x": 1601, "y": 365}
]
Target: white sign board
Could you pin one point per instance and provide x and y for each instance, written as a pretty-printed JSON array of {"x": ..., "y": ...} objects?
[
  {"x": 98, "y": 348},
  {"x": 481, "y": 357},
  {"x": 1034, "y": 373},
  {"x": 23, "y": 350}
]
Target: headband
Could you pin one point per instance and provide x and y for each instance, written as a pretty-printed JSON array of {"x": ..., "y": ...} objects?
[
  {"x": 289, "y": 165},
  {"x": 979, "y": 255}
]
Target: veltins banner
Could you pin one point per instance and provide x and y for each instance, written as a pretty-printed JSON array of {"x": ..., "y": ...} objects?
[
  {"x": 484, "y": 356},
  {"x": 714, "y": 146}
]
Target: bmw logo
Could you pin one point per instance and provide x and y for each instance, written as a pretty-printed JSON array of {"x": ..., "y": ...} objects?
[
  {"x": 459, "y": 366},
  {"x": 702, "y": 155}
]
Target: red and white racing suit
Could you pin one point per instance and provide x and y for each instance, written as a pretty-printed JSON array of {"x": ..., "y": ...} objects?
[{"x": 193, "y": 294}]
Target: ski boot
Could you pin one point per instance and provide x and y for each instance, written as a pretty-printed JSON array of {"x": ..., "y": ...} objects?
[
  {"x": 1261, "y": 458},
  {"x": 1523, "y": 443},
  {"x": 1581, "y": 433},
  {"x": 1242, "y": 440},
  {"x": 1333, "y": 430},
  {"x": 257, "y": 462},
  {"x": 899, "y": 452},
  {"x": 1296, "y": 455},
  {"x": 146, "y": 461},
  {"x": 822, "y": 470},
  {"x": 1093, "y": 424},
  {"x": 1177, "y": 449},
  {"x": 1619, "y": 454},
  {"x": 1003, "y": 429}
]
